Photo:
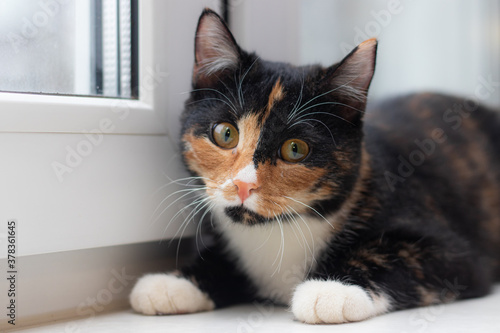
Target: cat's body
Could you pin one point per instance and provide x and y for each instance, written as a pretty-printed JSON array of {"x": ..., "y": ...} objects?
[{"x": 341, "y": 215}]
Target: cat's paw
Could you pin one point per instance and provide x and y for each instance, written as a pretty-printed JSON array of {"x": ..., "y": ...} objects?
[
  {"x": 332, "y": 302},
  {"x": 156, "y": 294}
]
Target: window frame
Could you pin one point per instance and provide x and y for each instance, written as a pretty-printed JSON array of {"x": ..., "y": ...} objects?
[{"x": 51, "y": 113}]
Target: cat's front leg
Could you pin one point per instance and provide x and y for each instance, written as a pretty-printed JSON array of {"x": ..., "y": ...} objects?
[
  {"x": 212, "y": 281},
  {"x": 333, "y": 302},
  {"x": 171, "y": 293},
  {"x": 394, "y": 271}
]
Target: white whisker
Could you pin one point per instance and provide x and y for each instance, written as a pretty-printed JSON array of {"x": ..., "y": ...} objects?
[
  {"x": 299, "y": 110},
  {"x": 240, "y": 90},
  {"x": 189, "y": 215},
  {"x": 208, "y": 207},
  {"x": 303, "y": 244},
  {"x": 314, "y": 210},
  {"x": 327, "y": 103},
  {"x": 297, "y": 103},
  {"x": 186, "y": 221},
  {"x": 219, "y": 92},
  {"x": 311, "y": 250},
  {"x": 189, "y": 191},
  {"x": 282, "y": 246},
  {"x": 318, "y": 121},
  {"x": 343, "y": 86},
  {"x": 179, "y": 181},
  {"x": 233, "y": 111},
  {"x": 267, "y": 239},
  {"x": 290, "y": 219}
]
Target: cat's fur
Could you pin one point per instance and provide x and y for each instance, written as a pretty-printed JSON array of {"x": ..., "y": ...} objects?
[{"x": 392, "y": 209}]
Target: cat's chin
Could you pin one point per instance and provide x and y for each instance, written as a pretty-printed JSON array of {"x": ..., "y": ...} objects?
[{"x": 243, "y": 215}]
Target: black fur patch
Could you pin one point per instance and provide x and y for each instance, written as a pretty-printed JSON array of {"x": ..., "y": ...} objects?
[{"x": 240, "y": 214}]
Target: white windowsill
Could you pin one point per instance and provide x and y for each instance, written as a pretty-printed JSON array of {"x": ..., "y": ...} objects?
[
  {"x": 476, "y": 315},
  {"x": 37, "y": 113}
]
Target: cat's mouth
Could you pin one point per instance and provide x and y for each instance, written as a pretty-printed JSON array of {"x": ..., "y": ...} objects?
[{"x": 243, "y": 215}]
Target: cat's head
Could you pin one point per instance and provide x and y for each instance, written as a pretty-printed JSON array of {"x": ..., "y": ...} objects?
[{"x": 268, "y": 139}]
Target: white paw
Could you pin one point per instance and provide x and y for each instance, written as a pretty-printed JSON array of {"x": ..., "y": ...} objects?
[
  {"x": 332, "y": 302},
  {"x": 168, "y": 294}
]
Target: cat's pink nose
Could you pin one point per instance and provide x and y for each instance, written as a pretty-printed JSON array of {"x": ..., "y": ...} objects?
[{"x": 245, "y": 189}]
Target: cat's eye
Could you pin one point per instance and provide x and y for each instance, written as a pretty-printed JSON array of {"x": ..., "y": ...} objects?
[
  {"x": 225, "y": 135},
  {"x": 294, "y": 150}
]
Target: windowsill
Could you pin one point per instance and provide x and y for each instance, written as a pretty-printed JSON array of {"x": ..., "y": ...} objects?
[
  {"x": 38, "y": 113},
  {"x": 476, "y": 315}
]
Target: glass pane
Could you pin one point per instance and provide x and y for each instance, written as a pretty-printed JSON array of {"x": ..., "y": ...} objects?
[{"x": 76, "y": 47}]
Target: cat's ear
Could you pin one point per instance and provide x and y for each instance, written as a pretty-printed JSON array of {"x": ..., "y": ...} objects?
[
  {"x": 216, "y": 50},
  {"x": 351, "y": 79}
]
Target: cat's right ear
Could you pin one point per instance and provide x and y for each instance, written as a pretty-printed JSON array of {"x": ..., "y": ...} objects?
[{"x": 215, "y": 48}]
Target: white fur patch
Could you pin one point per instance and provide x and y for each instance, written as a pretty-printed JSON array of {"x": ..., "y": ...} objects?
[
  {"x": 248, "y": 174},
  {"x": 332, "y": 302},
  {"x": 168, "y": 294},
  {"x": 276, "y": 259}
]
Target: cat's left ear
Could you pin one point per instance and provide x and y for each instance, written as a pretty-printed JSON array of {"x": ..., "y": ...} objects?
[
  {"x": 216, "y": 50},
  {"x": 351, "y": 79}
]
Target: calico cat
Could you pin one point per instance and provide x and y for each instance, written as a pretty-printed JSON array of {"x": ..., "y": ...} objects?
[{"x": 340, "y": 211}]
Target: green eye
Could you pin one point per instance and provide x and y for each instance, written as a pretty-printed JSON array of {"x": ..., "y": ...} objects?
[
  {"x": 225, "y": 135},
  {"x": 294, "y": 150}
]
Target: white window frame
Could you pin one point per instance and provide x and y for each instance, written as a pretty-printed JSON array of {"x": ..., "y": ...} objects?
[{"x": 43, "y": 113}]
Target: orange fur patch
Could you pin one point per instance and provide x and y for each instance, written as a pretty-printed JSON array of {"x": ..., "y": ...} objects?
[
  {"x": 289, "y": 180},
  {"x": 276, "y": 95},
  {"x": 249, "y": 130}
]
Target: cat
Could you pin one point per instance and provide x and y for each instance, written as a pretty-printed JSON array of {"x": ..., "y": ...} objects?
[{"x": 338, "y": 210}]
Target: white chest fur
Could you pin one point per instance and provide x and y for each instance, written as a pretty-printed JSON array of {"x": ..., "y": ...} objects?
[{"x": 277, "y": 256}]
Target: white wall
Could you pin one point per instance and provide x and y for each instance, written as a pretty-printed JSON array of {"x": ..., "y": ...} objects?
[
  {"x": 269, "y": 28},
  {"x": 107, "y": 199},
  {"x": 444, "y": 45}
]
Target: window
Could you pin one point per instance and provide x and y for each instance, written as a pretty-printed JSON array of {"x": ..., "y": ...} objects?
[{"x": 84, "y": 47}]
